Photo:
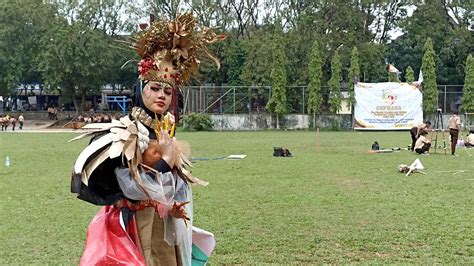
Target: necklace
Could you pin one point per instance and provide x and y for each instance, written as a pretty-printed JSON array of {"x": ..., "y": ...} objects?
[{"x": 156, "y": 123}]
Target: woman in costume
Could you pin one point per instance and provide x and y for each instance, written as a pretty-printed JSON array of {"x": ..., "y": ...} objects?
[{"x": 135, "y": 167}]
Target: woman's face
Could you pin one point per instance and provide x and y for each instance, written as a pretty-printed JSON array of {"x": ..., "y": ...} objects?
[{"x": 157, "y": 97}]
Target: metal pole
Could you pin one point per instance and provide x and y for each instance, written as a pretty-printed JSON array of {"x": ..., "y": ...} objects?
[
  {"x": 445, "y": 99},
  {"x": 250, "y": 100},
  {"x": 200, "y": 98},
  {"x": 185, "y": 100},
  {"x": 219, "y": 99},
  {"x": 206, "y": 98},
  {"x": 303, "y": 101},
  {"x": 234, "y": 100}
]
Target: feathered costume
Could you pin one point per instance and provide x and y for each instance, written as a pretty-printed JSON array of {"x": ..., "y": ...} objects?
[{"x": 135, "y": 226}]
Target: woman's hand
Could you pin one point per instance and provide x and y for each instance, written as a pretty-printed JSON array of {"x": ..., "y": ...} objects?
[
  {"x": 168, "y": 148},
  {"x": 178, "y": 211}
]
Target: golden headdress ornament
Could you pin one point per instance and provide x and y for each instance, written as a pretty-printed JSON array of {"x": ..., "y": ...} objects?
[{"x": 170, "y": 51}]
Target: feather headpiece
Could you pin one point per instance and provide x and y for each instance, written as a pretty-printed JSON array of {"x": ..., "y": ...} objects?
[{"x": 170, "y": 51}]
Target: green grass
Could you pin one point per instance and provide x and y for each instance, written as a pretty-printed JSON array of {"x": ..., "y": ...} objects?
[{"x": 338, "y": 205}]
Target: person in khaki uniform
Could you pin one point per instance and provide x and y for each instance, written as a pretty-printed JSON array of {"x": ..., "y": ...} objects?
[
  {"x": 423, "y": 144},
  {"x": 415, "y": 132},
  {"x": 454, "y": 124},
  {"x": 21, "y": 120},
  {"x": 136, "y": 168}
]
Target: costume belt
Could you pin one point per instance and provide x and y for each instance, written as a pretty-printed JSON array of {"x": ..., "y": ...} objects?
[{"x": 159, "y": 207}]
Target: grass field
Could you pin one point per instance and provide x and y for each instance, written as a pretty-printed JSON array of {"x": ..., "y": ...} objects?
[{"x": 338, "y": 205}]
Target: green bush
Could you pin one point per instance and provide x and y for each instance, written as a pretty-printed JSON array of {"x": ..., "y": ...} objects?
[{"x": 198, "y": 122}]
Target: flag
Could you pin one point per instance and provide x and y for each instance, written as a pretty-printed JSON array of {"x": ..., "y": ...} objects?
[
  {"x": 203, "y": 245},
  {"x": 416, "y": 165},
  {"x": 420, "y": 77},
  {"x": 392, "y": 69}
]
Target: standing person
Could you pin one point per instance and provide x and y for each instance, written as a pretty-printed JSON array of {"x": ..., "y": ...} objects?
[
  {"x": 13, "y": 122},
  {"x": 415, "y": 132},
  {"x": 6, "y": 122},
  {"x": 50, "y": 112},
  {"x": 136, "y": 168},
  {"x": 454, "y": 124},
  {"x": 54, "y": 114},
  {"x": 21, "y": 120},
  {"x": 423, "y": 144}
]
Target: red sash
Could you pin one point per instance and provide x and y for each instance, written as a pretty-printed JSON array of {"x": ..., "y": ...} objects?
[{"x": 109, "y": 244}]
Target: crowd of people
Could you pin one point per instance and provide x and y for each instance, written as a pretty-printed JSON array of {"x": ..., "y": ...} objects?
[
  {"x": 421, "y": 143},
  {"x": 53, "y": 113},
  {"x": 12, "y": 121},
  {"x": 96, "y": 118}
]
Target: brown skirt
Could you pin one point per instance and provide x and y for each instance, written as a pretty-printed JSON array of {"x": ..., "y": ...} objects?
[{"x": 154, "y": 248}]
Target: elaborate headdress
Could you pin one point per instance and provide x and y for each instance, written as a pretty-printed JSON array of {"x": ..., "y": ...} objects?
[{"x": 170, "y": 51}]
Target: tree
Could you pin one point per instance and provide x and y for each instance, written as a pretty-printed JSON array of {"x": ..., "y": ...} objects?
[
  {"x": 386, "y": 15},
  {"x": 120, "y": 74},
  {"x": 211, "y": 13},
  {"x": 164, "y": 8},
  {"x": 409, "y": 75},
  {"x": 315, "y": 74},
  {"x": 258, "y": 56},
  {"x": 468, "y": 90},
  {"x": 247, "y": 55},
  {"x": 278, "y": 103},
  {"x": 75, "y": 60},
  {"x": 234, "y": 62},
  {"x": 78, "y": 55},
  {"x": 448, "y": 24},
  {"x": 393, "y": 77},
  {"x": 373, "y": 66},
  {"x": 430, "y": 88},
  {"x": 298, "y": 51},
  {"x": 354, "y": 75},
  {"x": 335, "y": 84},
  {"x": 22, "y": 23}
]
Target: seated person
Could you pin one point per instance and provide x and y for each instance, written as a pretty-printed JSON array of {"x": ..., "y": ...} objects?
[
  {"x": 281, "y": 152},
  {"x": 423, "y": 144},
  {"x": 469, "y": 142},
  {"x": 375, "y": 146},
  {"x": 415, "y": 132}
]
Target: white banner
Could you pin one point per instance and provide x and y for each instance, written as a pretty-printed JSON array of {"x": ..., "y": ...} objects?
[
  {"x": 32, "y": 99},
  {"x": 387, "y": 106}
]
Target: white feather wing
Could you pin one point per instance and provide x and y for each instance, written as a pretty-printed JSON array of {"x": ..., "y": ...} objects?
[{"x": 89, "y": 150}]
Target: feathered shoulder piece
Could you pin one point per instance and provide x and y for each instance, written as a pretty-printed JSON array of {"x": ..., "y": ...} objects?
[
  {"x": 122, "y": 137},
  {"x": 128, "y": 139}
]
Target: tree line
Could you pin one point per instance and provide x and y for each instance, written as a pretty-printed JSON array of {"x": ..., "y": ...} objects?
[{"x": 77, "y": 46}]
